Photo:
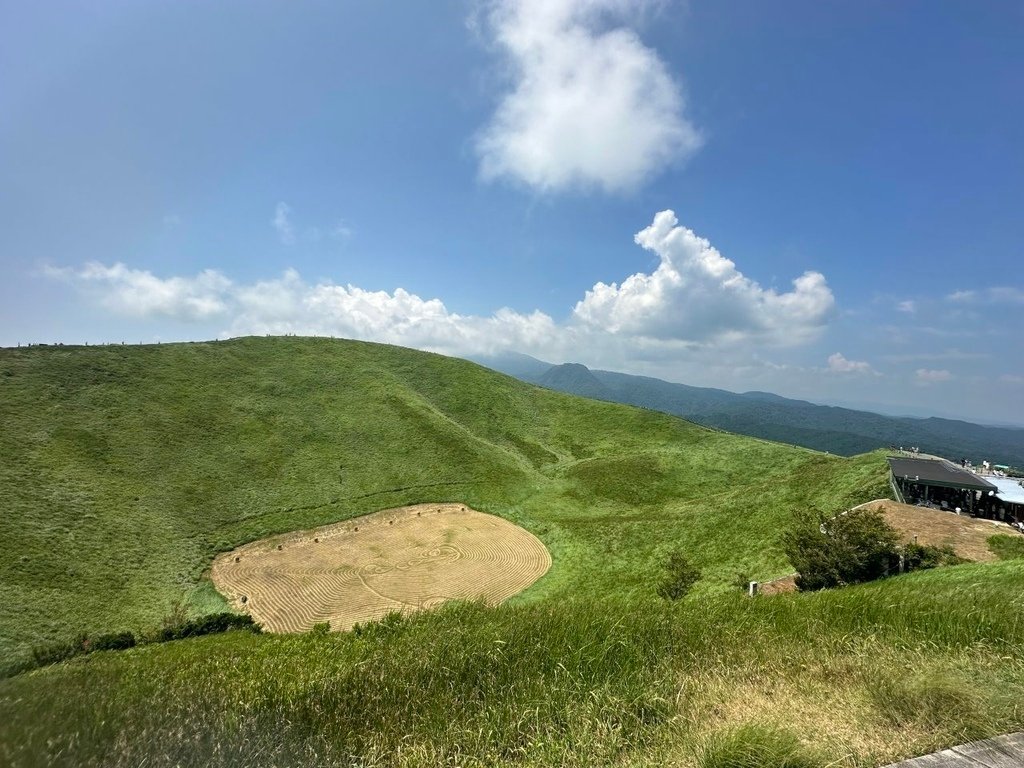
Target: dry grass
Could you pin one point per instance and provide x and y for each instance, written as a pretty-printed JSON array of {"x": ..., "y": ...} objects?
[
  {"x": 862, "y": 706},
  {"x": 778, "y": 586},
  {"x": 967, "y": 535},
  {"x": 404, "y": 559}
]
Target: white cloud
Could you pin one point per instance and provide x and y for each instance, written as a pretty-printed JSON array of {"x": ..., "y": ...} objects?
[
  {"x": 929, "y": 376},
  {"x": 1006, "y": 294},
  {"x": 289, "y": 235},
  {"x": 998, "y": 294},
  {"x": 289, "y": 305},
  {"x": 282, "y": 223},
  {"x": 590, "y": 104},
  {"x": 940, "y": 355},
  {"x": 839, "y": 364},
  {"x": 907, "y": 306},
  {"x": 962, "y": 296},
  {"x": 697, "y": 296},
  {"x": 140, "y": 293},
  {"x": 696, "y": 301}
]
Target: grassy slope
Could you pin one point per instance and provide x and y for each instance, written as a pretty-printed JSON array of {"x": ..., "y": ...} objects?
[
  {"x": 862, "y": 676},
  {"x": 127, "y": 468}
]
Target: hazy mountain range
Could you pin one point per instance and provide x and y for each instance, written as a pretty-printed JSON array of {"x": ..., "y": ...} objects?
[{"x": 835, "y": 429}]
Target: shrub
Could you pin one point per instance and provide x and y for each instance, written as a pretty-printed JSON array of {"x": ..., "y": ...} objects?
[
  {"x": 321, "y": 628},
  {"x": 918, "y": 557},
  {"x": 680, "y": 576},
  {"x": 389, "y": 624},
  {"x": 854, "y": 547},
  {"x": 51, "y": 653},
  {"x": 208, "y": 625},
  {"x": 114, "y": 641}
]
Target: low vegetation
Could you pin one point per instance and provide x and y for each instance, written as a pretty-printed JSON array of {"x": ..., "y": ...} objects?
[
  {"x": 1007, "y": 547},
  {"x": 757, "y": 746}
]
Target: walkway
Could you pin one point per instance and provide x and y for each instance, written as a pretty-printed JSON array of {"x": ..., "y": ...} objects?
[{"x": 1001, "y": 752}]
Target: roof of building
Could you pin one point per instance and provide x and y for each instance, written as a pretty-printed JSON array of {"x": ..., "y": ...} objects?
[
  {"x": 1009, "y": 489},
  {"x": 938, "y": 472}
]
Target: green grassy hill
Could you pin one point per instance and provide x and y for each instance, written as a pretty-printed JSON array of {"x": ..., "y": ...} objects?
[{"x": 126, "y": 469}]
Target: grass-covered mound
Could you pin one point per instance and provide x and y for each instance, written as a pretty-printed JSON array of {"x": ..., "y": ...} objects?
[
  {"x": 855, "y": 677},
  {"x": 126, "y": 469}
]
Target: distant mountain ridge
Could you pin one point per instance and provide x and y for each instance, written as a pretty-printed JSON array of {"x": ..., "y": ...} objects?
[
  {"x": 577, "y": 379},
  {"x": 843, "y": 431}
]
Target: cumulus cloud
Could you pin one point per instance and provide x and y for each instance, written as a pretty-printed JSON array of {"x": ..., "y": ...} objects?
[
  {"x": 839, "y": 364},
  {"x": 590, "y": 105},
  {"x": 698, "y": 296},
  {"x": 929, "y": 376},
  {"x": 289, "y": 305},
  {"x": 282, "y": 223},
  {"x": 140, "y": 293},
  {"x": 695, "y": 301}
]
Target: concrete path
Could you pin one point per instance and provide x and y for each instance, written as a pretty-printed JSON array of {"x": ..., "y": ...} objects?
[{"x": 1001, "y": 752}]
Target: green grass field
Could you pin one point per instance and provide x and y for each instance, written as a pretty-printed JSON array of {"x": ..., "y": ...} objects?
[{"x": 126, "y": 469}]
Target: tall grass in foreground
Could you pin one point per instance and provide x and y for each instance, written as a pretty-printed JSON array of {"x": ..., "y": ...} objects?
[{"x": 857, "y": 677}]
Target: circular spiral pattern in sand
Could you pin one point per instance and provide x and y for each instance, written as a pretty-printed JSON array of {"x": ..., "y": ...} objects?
[{"x": 403, "y": 559}]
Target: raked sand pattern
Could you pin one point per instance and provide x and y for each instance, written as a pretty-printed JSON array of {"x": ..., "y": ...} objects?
[{"x": 404, "y": 559}]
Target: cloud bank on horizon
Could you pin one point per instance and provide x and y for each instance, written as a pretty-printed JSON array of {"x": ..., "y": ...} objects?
[
  {"x": 589, "y": 106},
  {"x": 696, "y": 298}
]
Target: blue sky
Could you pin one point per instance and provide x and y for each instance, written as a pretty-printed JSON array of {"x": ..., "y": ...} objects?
[{"x": 820, "y": 199}]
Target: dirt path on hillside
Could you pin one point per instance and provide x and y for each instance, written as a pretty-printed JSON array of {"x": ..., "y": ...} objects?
[{"x": 967, "y": 535}]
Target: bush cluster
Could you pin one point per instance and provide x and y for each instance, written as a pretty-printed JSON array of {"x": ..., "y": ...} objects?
[
  {"x": 207, "y": 625},
  {"x": 852, "y": 548},
  {"x": 917, "y": 557},
  {"x": 176, "y": 629}
]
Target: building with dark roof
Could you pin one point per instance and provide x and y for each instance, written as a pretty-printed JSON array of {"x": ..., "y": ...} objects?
[{"x": 940, "y": 483}]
